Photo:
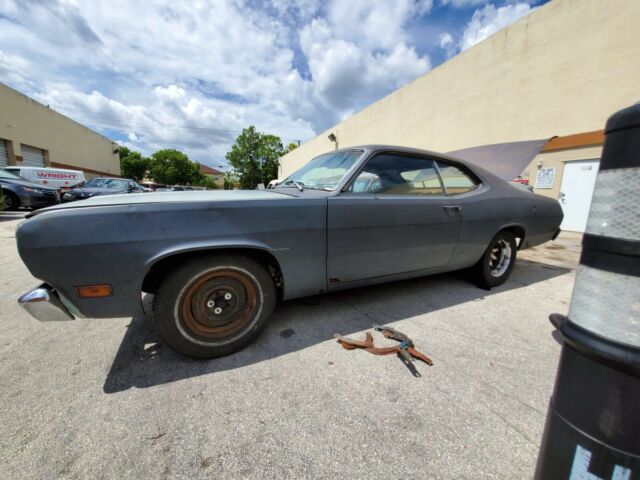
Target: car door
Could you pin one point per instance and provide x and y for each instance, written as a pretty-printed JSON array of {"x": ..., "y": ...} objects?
[{"x": 394, "y": 217}]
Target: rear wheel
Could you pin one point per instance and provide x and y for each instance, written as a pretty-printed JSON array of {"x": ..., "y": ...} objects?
[
  {"x": 495, "y": 266},
  {"x": 11, "y": 202},
  {"x": 214, "y": 305}
]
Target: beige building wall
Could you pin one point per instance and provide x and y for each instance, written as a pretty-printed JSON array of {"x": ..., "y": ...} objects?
[
  {"x": 561, "y": 70},
  {"x": 66, "y": 143}
]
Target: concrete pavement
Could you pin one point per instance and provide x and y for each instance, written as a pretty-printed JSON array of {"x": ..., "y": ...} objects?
[{"x": 102, "y": 399}]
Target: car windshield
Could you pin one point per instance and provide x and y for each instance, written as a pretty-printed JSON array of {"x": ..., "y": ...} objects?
[
  {"x": 323, "y": 172},
  {"x": 9, "y": 176},
  {"x": 107, "y": 183}
]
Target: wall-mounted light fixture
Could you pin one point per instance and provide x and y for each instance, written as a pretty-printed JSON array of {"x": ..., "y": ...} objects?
[{"x": 334, "y": 139}]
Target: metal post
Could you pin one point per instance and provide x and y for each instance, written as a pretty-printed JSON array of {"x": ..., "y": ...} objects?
[{"x": 592, "y": 430}]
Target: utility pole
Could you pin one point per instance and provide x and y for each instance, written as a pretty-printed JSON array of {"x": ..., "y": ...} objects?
[{"x": 592, "y": 430}]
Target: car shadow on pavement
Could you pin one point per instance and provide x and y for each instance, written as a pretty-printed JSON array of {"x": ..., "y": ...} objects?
[{"x": 142, "y": 361}]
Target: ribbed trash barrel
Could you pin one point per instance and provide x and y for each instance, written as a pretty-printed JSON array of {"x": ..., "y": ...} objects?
[{"x": 592, "y": 429}]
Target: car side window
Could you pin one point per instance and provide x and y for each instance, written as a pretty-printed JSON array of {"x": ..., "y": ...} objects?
[
  {"x": 455, "y": 180},
  {"x": 397, "y": 174}
]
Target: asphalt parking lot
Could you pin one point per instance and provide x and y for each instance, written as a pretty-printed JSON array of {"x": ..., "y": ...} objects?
[{"x": 102, "y": 399}]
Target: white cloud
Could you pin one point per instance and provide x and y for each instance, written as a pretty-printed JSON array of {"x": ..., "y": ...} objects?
[
  {"x": 361, "y": 52},
  {"x": 448, "y": 44},
  {"x": 191, "y": 75},
  {"x": 445, "y": 40},
  {"x": 488, "y": 20}
]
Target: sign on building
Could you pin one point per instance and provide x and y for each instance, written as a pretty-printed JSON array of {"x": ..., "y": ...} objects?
[{"x": 545, "y": 177}]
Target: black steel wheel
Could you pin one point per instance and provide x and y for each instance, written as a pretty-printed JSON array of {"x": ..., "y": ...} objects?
[{"x": 214, "y": 305}]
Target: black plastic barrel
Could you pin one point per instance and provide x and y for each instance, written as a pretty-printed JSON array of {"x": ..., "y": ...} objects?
[{"x": 592, "y": 429}]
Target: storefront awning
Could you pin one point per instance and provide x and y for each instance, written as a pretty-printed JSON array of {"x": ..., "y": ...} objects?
[{"x": 506, "y": 160}]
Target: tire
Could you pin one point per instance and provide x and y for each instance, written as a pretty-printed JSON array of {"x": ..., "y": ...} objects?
[
  {"x": 11, "y": 201},
  {"x": 214, "y": 305},
  {"x": 496, "y": 264}
]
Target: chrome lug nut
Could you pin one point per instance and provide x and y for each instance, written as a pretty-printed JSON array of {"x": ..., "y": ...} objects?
[
  {"x": 227, "y": 296},
  {"x": 211, "y": 304},
  {"x": 217, "y": 311}
]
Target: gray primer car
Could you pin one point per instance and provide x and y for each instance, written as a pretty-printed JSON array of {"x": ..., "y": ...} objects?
[{"x": 218, "y": 261}]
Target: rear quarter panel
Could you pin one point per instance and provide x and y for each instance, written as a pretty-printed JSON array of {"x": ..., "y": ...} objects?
[{"x": 501, "y": 206}]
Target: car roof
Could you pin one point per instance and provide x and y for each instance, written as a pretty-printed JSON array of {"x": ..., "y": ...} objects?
[
  {"x": 373, "y": 148},
  {"x": 398, "y": 148}
]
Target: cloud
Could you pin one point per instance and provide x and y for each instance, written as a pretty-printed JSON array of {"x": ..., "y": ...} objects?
[
  {"x": 488, "y": 20},
  {"x": 191, "y": 75},
  {"x": 361, "y": 52},
  {"x": 447, "y": 43}
]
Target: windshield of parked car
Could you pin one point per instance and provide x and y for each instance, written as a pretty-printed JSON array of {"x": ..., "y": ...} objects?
[
  {"x": 323, "y": 172},
  {"x": 9, "y": 176},
  {"x": 107, "y": 183}
]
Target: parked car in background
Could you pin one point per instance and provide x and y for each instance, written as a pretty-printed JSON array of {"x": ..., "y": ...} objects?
[
  {"x": 59, "y": 178},
  {"x": 18, "y": 192},
  {"x": 102, "y": 186},
  {"x": 154, "y": 186},
  {"x": 217, "y": 262}
]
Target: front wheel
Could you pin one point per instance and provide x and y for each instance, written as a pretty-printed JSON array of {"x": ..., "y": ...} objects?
[
  {"x": 11, "y": 201},
  {"x": 215, "y": 305},
  {"x": 495, "y": 266}
]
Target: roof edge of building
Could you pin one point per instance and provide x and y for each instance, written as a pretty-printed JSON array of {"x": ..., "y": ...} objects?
[{"x": 45, "y": 107}]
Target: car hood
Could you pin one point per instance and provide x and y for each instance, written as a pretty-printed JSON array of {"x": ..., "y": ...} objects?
[
  {"x": 172, "y": 197},
  {"x": 25, "y": 183}
]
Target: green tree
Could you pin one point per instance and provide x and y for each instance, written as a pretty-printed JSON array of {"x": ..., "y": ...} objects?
[
  {"x": 173, "y": 167},
  {"x": 291, "y": 146},
  {"x": 255, "y": 157},
  {"x": 230, "y": 180},
  {"x": 205, "y": 181},
  {"x": 132, "y": 164}
]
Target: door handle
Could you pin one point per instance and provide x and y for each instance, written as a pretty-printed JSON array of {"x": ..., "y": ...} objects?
[{"x": 453, "y": 208}]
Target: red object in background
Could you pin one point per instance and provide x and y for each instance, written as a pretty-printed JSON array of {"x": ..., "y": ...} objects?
[{"x": 524, "y": 181}]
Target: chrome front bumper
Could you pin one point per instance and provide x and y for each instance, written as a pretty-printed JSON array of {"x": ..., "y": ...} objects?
[{"x": 43, "y": 303}]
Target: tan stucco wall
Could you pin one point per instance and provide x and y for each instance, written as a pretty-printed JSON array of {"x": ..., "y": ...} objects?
[
  {"x": 561, "y": 70},
  {"x": 557, "y": 160},
  {"x": 217, "y": 179},
  {"x": 25, "y": 121}
]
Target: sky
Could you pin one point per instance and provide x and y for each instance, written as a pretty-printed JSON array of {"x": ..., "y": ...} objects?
[{"x": 191, "y": 75}]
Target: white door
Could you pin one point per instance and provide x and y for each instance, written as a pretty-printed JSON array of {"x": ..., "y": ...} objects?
[
  {"x": 4, "y": 156},
  {"x": 32, "y": 157},
  {"x": 578, "y": 181}
]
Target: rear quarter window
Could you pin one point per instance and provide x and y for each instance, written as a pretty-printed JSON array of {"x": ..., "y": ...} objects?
[{"x": 456, "y": 180}]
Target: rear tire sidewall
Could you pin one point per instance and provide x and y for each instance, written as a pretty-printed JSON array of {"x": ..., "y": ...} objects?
[
  {"x": 168, "y": 303},
  {"x": 484, "y": 276}
]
